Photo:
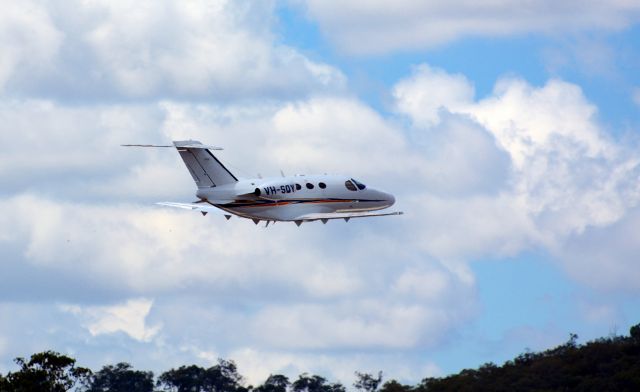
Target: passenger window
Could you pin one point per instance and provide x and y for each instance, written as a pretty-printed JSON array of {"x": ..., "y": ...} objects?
[
  {"x": 298, "y": 187},
  {"x": 350, "y": 186},
  {"x": 309, "y": 185},
  {"x": 322, "y": 185}
]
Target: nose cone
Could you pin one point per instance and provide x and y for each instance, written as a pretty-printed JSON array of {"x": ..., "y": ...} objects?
[{"x": 390, "y": 199}]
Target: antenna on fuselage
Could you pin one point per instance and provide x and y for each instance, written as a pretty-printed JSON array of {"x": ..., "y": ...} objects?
[{"x": 282, "y": 173}]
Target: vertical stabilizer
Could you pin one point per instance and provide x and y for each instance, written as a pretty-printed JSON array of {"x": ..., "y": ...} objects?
[{"x": 205, "y": 168}]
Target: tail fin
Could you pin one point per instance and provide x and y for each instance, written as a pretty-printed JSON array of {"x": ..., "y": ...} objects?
[{"x": 205, "y": 168}]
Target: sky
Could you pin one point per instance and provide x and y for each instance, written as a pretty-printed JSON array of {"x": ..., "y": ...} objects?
[{"x": 509, "y": 133}]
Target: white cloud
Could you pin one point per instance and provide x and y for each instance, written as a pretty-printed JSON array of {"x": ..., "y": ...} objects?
[
  {"x": 357, "y": 324},
  {"x": 75, "y": 150},
  {"x": 352, "y": 134},
  {"x": 106, "y": 50},
  {"x": 141, "y": 251},
  {"x": 460, "y": 157},
  {"x": 374, "y": 27},
  {"x": 525, "y": 168},
  {"x": 128, "y": 318},
  {"x": 256, "y": 365},
  {"x": 430, "y": 90},
  {"x": 566, "y": 174},
  {"x": 526, "y": 119},
  {"x": 427, "y": 285},
  {"x": 29, "y": 40}
]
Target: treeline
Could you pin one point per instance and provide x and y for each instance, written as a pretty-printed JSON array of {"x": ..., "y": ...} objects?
[{"x": 606, "y": 364}]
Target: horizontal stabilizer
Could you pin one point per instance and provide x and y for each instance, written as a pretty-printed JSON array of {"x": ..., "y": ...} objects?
[{"x": 202, "y": 146}]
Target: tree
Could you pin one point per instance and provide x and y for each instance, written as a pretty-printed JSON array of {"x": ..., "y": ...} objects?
[
  {"x": 394, "y": 386},
  {"x": 275, "y": 383},
  {"x": 573, "y": 338},
  {"x": 46, "y": 371},
  {"x": 306, "y": 383},
  {"x": 223, "y": 377},
  {"x": 3, "y": 383},
  {"x": 365, "y": 382},
  {"x": 121, "y": 378},
  {"x": 183, "y": 379},
  {"x": 634, "y": 331}
]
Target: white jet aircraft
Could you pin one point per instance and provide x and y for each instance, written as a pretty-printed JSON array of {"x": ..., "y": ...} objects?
[{"x": 296, "y": 199}]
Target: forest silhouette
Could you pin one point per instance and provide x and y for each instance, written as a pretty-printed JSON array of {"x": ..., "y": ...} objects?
[{"x": 605, "y": 364}]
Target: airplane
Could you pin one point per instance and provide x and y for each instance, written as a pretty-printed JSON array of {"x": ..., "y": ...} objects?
[{"x": 295, "y": 199}]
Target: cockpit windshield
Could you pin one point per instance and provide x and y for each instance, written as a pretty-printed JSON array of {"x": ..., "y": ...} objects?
[
  {"x": 360, "y": 185},
  {"x": 349, "y": 185}
]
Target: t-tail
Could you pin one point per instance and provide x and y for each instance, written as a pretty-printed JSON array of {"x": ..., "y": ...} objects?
[{"x": 207, "y": 171}]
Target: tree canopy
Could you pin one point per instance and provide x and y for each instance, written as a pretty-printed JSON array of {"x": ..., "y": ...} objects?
[
  {"x": 45, "y": 371},
  {"x": 275, "y": 383},
  {"x": 606, "y": 364},
  {"x": 120, "y": 378},
  {"x": 223, "y": 377},
  {"x": 365, "y": 382},
  {"x": 307, "y": 383}
]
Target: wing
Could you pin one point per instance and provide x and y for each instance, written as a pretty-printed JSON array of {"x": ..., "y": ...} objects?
[
  {"x": 203, "y": 208},
  {"x": 324, "y": 217}
]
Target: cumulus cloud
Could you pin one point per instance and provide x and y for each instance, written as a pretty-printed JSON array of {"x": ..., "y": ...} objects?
[
  {"x": 526, "y": 167},
  {"x": 565, "y": 174},
  {"x": 230, "y": 278},
  {"x": 374, "y": 27},
  {"x": 78, "y": 146},
  {"x": 430, "y": 90},
  {"x": 152, "y": 49},
  {"x": 128, "y": 318},
  {"x": 28, "y": 38}
]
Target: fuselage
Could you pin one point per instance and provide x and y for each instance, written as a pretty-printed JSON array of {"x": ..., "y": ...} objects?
[{"x": 286, "y": 198}]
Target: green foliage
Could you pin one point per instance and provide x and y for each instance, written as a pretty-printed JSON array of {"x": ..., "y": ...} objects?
[
  {"x": 223, "y": 377},
  {"x": 634, "y": 331},
  {"x": 121, "y": 378},
  {"x": 394, "y": 386},
  {"x": 365, "y": 382},
  {"x": 611, "y": 364},
  {"x": 4, "y": 386},
  {"x": 275, "y": 383},
  {"x": 306, "y": 383},
  {"x": 46, "y": 371}
]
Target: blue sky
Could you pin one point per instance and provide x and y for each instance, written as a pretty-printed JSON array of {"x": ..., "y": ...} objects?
[{"x": 509, "y": 137}]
